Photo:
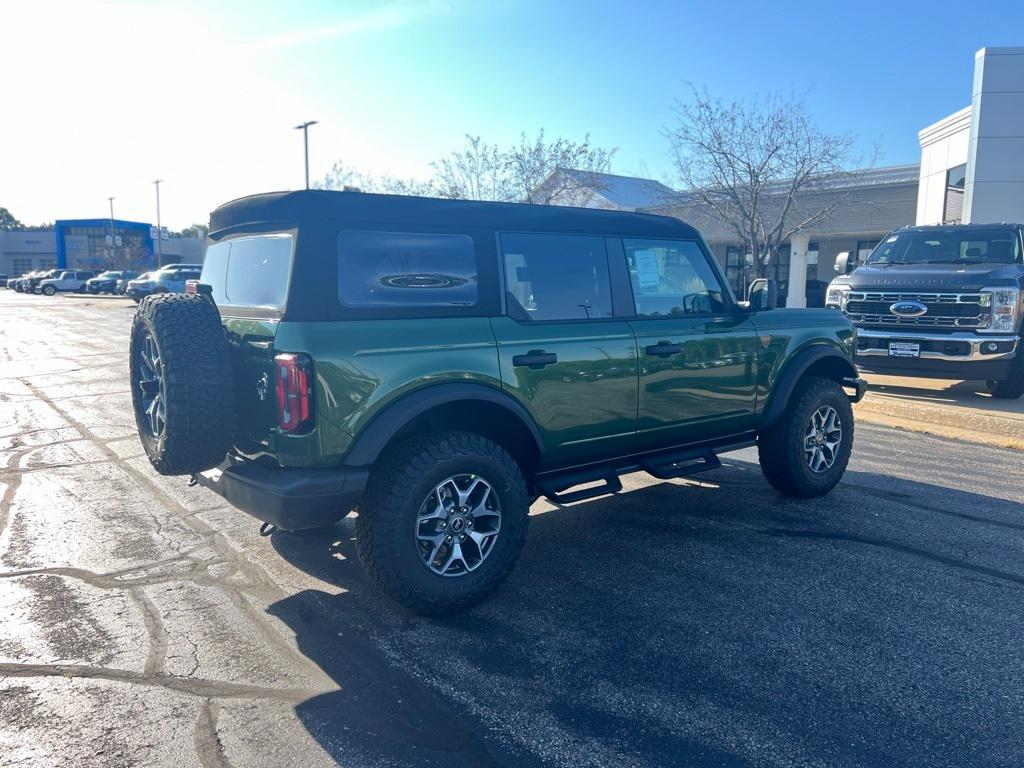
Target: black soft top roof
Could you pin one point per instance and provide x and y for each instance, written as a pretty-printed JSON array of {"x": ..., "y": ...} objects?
[{"x": 320, "y": 206}]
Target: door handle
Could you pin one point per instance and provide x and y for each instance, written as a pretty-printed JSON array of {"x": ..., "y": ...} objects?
[
  {"x": 664, "y": 349},
  {"x": 535, "y": 358}
]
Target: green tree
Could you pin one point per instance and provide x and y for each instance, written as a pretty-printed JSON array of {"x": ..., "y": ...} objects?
[
  {"x": 7, "y": 221},
  {"x": 196, "y": 230}
]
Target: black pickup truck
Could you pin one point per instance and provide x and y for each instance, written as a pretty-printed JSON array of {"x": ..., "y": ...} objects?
[{"x": 941, "y": 302}]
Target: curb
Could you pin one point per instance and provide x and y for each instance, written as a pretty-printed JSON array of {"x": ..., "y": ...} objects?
[{"x": 942, "y": 430}]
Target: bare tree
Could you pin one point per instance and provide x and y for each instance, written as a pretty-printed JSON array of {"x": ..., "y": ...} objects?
[
  {"x": 344, "y": 177},
  {"x": 561, "y": 171},
  {"x": 478, "y": 172},
  {"x": 536, "y": 171},
  {"x": 756, "y": 166}
]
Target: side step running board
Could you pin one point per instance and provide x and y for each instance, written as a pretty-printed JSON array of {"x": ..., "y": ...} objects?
[
  {"x": 671, "y": 467},
  {"x": 553, "y": 490},
  {"x": 664, "y": 467}
]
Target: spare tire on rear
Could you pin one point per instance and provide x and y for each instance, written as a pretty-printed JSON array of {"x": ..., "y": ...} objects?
[{"x": 182, "y": 389}]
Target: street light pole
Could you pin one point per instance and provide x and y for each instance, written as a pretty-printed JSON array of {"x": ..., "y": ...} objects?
[
  {"x": 159, "y": 230},
  {"x": 304, "y": 127},
  {"x": 112, "y": 249}
]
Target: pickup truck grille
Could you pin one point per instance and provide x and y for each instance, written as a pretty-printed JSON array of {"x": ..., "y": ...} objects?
[{"x": 945, "y": 310}]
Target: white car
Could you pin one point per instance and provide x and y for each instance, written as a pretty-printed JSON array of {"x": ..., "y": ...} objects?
[{"x": 68, "y": 280}]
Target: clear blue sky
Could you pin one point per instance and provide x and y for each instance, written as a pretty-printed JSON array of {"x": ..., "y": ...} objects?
[{"x": 397, "y": 84}]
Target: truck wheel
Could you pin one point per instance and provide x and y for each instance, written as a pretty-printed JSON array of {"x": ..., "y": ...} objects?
[
  {"x": 49, "y": 290},
  {"x": 182, "y": 389},
  {"x": 1012, "y": 386},
  {"x": 442, "y": 522},
  {"x": 805, "y": 454}
]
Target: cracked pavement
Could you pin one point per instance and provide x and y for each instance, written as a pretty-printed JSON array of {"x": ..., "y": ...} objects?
[{"x": 712, "y": 623}]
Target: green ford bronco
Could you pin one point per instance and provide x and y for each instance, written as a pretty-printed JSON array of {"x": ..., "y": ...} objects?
[{"x": 438, "y": 365}]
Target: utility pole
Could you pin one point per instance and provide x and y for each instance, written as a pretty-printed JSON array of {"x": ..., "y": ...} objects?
[
  {"x": 304, "y": 127},
  {"x": 112, "y": 249},
  {"x": 159, "y": 229}
]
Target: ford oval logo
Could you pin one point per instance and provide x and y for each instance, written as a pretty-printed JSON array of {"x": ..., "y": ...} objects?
[{"x": 908, "y": 308}]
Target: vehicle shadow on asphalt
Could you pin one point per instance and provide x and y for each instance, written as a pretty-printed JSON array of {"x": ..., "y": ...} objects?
[{"x": 674, "y": 624}]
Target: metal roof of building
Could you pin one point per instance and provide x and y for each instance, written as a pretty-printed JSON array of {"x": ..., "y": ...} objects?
[{"x": 624, "y": 191}]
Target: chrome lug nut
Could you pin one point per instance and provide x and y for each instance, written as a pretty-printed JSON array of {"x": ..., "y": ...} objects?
[
  {"x": 448, "y": 538},
  {"x": 462, "y": 537}
]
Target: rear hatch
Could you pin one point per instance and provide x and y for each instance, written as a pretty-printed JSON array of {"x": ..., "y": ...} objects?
[{"x": 248, "y": 276}]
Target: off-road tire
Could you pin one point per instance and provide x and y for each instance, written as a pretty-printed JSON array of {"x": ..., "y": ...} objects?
[
  {"x": 49, "y": 290},
  {"x": 780, "y": 447},
  {"x": 1012, "y": 387},
  {"x": 385, "y": 528},
  {"x": 198, "y": 390}
]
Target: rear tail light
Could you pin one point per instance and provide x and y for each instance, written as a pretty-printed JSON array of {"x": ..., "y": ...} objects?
[{"x": 294, "y": 377}]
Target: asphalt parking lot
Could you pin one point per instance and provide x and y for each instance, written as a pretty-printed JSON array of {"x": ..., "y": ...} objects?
[{"x": 686, "y": 623}]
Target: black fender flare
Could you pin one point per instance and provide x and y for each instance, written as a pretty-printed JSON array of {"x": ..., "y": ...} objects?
[
  {"x": 385, "y": 425},
  {"x": 793, "y": 371}
]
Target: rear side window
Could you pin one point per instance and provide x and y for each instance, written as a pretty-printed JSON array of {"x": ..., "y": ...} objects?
[
  {"x": 249, "y": 271},
  {"x": 557, "y": 277},
  {"x": 406, "y": 269}
]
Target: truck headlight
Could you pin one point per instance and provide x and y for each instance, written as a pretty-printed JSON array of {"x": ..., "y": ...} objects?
[
  {"x": 836, "y": 296},
  {"x": 1004, "y": 307}
]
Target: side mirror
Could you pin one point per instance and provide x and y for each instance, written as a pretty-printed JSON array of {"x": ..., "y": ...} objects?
[
  {"x": 764, "y": 294},
  {"x": 843, "y": 263}
]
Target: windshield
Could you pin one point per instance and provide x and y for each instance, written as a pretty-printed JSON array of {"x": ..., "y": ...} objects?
[{"x": 951, "y": 246}]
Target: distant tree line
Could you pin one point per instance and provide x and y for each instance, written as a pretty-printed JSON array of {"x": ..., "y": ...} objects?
[
  {"x": 483, "y": 171},
  {"x": 8, "y": 223}
]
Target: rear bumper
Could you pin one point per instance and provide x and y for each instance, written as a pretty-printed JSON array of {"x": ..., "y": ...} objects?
[{"x": 290, "y": 498}]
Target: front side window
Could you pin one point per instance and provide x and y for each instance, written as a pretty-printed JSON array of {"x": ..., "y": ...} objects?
[
  {"x": 557, "y": 277},
  {"x": 671, "y": 278},
  {"x": 406, "y": 269},
  {"x": 864, "y": 249},
  {"x": 250, "y": 271}
]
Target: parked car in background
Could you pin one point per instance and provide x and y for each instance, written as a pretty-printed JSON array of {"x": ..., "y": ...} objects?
[
  {"x": 168, "y": 279},
  {"x": 107, "y": 282},
  {"x": 121, "y": 287},
  {"x": 68, "y": 281},
  {"x": 32, "y": 284},
  {"x": 940, "y": 301},
  {"x": 140, "y": 286},
  {"x": 3, "y": 281},
  {"x": 20, "y": 283}
]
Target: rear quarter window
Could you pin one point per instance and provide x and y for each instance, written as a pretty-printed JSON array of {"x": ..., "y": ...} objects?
[
  {"x": 406, "y": 269},
  {"x": 250, "y": 271}
]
